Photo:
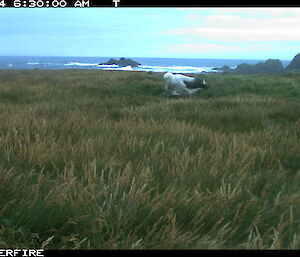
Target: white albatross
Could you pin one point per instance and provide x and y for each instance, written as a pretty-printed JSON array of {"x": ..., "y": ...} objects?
[{"x": 182, "y": 85}]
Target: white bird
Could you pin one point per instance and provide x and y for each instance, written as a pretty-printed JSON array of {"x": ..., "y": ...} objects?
[{"x": 182, "y": 85}]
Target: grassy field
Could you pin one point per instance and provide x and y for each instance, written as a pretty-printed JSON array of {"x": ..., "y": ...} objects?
[{"x": 95, "y": 159}]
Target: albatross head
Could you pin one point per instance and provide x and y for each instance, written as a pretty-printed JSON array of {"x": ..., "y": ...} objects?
[{"x": 168, "y": 75}]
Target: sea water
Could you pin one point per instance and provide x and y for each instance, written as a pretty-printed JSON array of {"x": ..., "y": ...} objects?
[{"x": 174, "y": 65}]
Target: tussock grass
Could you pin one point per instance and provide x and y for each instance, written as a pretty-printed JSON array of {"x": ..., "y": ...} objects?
[{"x": 101, "y": 160}]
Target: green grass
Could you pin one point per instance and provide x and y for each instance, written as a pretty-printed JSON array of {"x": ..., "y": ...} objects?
[{"x": 101, "y": 160}]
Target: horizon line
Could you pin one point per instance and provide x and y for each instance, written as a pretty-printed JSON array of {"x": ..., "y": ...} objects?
[{"x": 139, "y": 57}]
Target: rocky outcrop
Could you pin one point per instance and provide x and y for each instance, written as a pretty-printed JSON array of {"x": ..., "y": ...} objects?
[
  {"x": 123, "y": 62},
  {"x": 269, "y": 66},
  {"x": 294, "y": 64},
  {"x": 225, "y": 68}
]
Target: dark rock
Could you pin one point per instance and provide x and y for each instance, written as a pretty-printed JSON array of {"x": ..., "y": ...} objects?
[
  {"x": 123, "y": 62},
  {"x": 225, "y": 68},
  {"x": 295, "y": 63},
  {"x": 128, "y": 62},
  {"x": 111, "y": 61}
]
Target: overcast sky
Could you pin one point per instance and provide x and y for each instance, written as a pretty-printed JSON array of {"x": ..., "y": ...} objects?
[{"x": 233, "y": 33}]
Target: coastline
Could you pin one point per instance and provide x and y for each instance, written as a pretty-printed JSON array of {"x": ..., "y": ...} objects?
[{"x": 173, "y": 65}]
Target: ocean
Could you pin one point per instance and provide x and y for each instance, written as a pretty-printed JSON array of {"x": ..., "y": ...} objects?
[{"x": 174, "y": 65}]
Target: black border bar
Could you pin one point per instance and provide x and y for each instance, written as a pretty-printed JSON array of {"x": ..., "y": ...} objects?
[{"x": 145, "y": 3}]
